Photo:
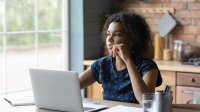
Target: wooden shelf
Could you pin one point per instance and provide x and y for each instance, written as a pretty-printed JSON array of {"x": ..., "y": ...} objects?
[{"x": 152, "y": 10}]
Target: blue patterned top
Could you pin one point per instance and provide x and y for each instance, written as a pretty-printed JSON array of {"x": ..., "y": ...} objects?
[{"x": 117, "y": 84}]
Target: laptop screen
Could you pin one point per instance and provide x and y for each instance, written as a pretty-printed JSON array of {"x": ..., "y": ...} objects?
[{"x": 58, "y": 90}]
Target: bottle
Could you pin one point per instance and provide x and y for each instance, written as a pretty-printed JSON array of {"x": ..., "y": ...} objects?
[
  {"x": 175, "y": 50},
  {"x": 158, "y": 48},
  {"x": 167, "y": 54},
  {"x": 180, "y": 50}
]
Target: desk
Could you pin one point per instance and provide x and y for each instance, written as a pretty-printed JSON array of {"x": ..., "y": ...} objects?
[{"x": 6, "y": 107}]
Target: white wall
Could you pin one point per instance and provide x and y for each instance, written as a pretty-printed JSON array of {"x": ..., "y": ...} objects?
[{"x": 92, "y": 32}]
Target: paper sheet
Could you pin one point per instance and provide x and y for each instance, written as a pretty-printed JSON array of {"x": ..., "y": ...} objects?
[
  {"x": 20, "y": 101},
  {"x": 121, "y": 108}
]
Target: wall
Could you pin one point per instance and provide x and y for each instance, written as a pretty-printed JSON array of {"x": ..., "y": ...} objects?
[
  {"x": 76, "y": 35},
  {"x": 187, "y": 14},
  {"x": 92, "y": 32}
]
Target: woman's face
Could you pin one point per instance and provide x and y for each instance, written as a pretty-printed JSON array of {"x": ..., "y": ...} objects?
[{"x": 116, "y": 35}]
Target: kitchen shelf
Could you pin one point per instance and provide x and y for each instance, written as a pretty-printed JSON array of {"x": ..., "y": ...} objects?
[{"x": 152, "y": 10}]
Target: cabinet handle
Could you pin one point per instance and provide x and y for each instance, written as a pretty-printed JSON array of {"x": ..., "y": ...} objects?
[
  {"x": 189, "y": 101},
  {"x": 187, "y": 92},
  {"x": 192, "y": 80}
]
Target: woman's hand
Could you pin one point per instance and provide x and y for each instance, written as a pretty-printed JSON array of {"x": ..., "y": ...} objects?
[{"x": 121, "y": 50}]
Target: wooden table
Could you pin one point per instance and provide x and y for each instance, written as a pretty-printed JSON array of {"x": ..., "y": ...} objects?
[{"x": 6, "y": 107}]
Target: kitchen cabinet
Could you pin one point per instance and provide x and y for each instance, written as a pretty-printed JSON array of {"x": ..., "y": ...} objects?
[
  {"x": 185, "y": 94},
  {"x": 184, "y": 80},
  {"x": 94, "y": 91},
  {"x": 169, "y": 78},
  {"x": 188, "y": 79},
  {"x": 187, "y": 84}
]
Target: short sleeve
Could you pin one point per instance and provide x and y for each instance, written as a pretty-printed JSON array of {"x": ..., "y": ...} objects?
[
  {"x": 149, "y": 65},
  {"x": 95, "y": 67}
]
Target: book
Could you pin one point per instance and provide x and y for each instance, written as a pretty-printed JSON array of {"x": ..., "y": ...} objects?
[
  {"x": 20, "y": 101},
  {"x": 121, "y": 108}
]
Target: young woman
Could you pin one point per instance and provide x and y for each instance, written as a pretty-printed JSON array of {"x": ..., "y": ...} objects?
[{"x": 125, "y": 74}]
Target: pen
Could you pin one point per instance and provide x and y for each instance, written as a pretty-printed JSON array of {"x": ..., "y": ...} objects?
[{"x": 167, "y": 89}]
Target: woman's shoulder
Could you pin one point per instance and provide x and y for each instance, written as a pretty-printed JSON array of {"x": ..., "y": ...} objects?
[
  {"x": 144, "y": 60},
  {"x": 102, "y": 63},
  {"x": 104, "y": 59}
]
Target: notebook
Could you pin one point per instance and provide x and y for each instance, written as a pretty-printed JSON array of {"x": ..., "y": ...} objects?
[
  {"x": 59, "y": 90},
  {"x": 121, "y": 108},
  {"x": 20, "y": 101}
]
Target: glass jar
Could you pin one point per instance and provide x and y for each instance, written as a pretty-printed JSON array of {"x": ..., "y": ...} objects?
[
  {"x": 175, "y": 50},
  {"x": 180, "y": 50},
  {"x": 190, "y": 51}
]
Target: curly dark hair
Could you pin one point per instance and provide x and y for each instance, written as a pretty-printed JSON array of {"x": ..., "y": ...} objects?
[{"x": 135, "y": 27}]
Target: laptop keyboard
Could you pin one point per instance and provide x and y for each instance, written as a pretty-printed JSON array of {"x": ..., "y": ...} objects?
[
  {"x": 87, "y": 108},
  {"x": 93, "y": 107}
]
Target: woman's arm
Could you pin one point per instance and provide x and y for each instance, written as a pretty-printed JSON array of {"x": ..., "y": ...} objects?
[
  {"x": 141, "y": 85},
  {"x": 86, "y": 78},
  {"x": 145, "y": 84}
]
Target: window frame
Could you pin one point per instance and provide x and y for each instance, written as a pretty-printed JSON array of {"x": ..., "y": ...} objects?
[{"x": 63, "y": 30}]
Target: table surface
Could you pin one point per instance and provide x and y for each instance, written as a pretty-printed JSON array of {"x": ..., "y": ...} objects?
[{"x": 6, "y": 107}]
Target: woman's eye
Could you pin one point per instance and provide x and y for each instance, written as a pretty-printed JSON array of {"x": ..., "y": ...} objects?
[
  {"x": 108, "y": 34},
  {"x": 118, "y": 34},
  {"x": 114, "y": 34}
]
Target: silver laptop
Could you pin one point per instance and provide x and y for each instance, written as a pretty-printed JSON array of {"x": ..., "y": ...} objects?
[{"x": 59, "y": 90}]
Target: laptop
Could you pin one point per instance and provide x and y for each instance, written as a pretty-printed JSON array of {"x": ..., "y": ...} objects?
[{"x": 59, "y": 90}]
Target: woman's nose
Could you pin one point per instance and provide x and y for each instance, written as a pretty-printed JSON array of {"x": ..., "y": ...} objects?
[{"x": 110, "y": 38}]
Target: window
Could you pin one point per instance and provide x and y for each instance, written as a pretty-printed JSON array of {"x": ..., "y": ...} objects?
[{"x": 33, "y": 34}]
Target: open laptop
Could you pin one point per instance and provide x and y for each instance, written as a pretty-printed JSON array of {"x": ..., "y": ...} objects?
[{"x": 59, "y": 90}]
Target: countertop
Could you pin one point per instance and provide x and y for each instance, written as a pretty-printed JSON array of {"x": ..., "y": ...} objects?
[{"x": 166, "y": 65}]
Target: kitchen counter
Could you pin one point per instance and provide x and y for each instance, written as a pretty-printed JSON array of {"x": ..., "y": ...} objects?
[{"x": 166, "y": 65}]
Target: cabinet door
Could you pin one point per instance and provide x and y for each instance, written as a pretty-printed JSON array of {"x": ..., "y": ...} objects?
[
  {"x": 169, "y": 78},
  {"x": 173, "y": 88},
  {"x": 95, "y": 91},
  {"x": 188, "y": 79},
  {"x": 185, "y": 94}
]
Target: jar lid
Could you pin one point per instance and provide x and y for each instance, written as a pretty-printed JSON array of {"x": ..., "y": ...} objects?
[{"x": 179, "y": 41}]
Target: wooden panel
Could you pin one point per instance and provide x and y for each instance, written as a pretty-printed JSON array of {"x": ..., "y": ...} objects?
[
  {"x": 188, "y": 79},
  {"x": 169, "y": 78},
  {"x": 95, "y": 91},
  {"x": 185, "y": 94},
  {"x": 173, "y": 88},
  {"x": 176, "y": 66},
  {"x": 152, "y": 10}
]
